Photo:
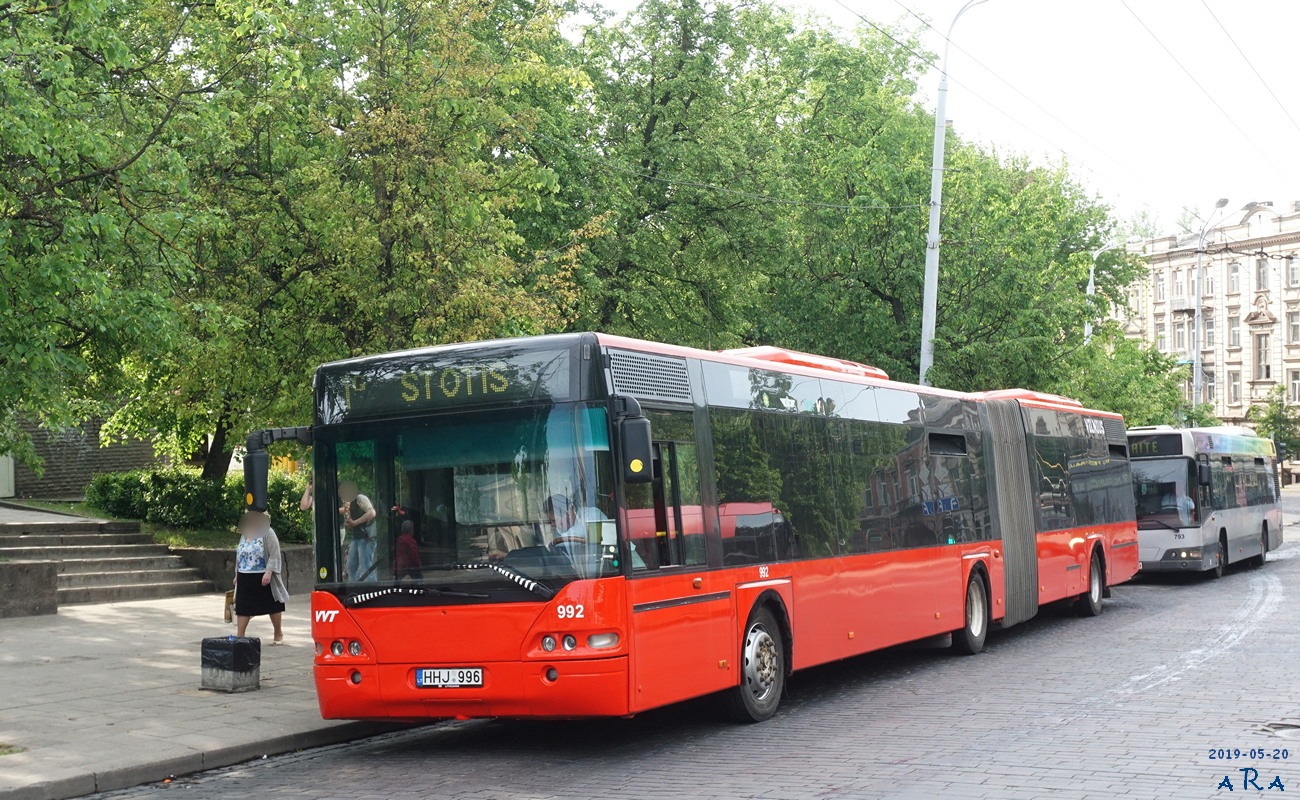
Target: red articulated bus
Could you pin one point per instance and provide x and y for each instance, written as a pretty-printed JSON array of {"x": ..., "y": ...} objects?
[{"x": 605, "y": 525}]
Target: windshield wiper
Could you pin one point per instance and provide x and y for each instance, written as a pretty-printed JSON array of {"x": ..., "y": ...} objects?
[
  {"x": 441, "y": 592},
  {"x": 540, "y": 589},
  {"x": 515, "y": 576},
  {"x": 1151, "y": 518}
]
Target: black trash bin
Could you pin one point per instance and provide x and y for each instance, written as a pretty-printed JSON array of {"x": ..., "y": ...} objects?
[{"x": 232, "y": 664}]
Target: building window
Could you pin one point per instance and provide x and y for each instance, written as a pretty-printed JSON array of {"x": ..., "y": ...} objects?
[
  {"x": 1293, "y": 386},
  {"x": 1234, "y": 388},
  {"x": 1208, "y": 322},
  {"x": 1261, "y": 274},
  {"x": 1292, "y": 271},
  {"x": 1234, "y": 278},
  {"x": 1160, "y": 287},
  {"x": 1209, "y": 282},
  {"x": 1162, "y": 340},
  {"x": 1234, "y": 332},
  {"x": 1178, "y": 283},
  {"x": 1263, "y": 371},
  {"x": 1293, "y": 327},
  {"x": 1209, "y": 386},
  {"x": 1180, "y": 338}
]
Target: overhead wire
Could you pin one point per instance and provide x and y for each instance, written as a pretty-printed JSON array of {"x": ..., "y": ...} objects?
[
  {"x": 1198, "y": 85},
  {"x": 932, "y": 62},
  {"x": 1250, "y": 64},
  {"x": 1066, "y": 126}
]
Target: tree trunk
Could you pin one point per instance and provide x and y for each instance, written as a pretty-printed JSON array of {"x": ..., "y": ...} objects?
[{"x": 217, "y": 460}]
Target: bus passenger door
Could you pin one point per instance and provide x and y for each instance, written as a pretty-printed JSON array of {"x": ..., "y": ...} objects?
[{"x": 681, "y": 620}]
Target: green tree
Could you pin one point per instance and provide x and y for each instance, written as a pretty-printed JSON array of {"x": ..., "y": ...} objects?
[
  {"x": 1277, "y": 419},
  {"x": 361, "y": 198},
  {"x": 1128, "y": 377},
  {"x": 89, "y": 98}
]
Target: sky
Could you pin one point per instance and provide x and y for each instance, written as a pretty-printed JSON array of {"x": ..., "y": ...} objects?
[{"x": 1150, "y": 102}]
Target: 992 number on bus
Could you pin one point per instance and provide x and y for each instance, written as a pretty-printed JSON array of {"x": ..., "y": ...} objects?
[{"x": 459, "y": 678}]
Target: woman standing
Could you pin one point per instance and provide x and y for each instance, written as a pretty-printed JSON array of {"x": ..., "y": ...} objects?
[{"x": 259, "y": 587}]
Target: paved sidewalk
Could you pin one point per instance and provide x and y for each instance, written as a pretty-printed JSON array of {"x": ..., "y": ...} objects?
[
  {"x": 102, "y": 697},
  {"x": 15, "y": 514}
]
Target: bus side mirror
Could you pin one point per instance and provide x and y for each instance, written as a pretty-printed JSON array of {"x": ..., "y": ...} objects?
[
  {"x": 1203, "y": 475},
  {"x": 635, "y": 450},
  {"x": 257, "y": 464}
]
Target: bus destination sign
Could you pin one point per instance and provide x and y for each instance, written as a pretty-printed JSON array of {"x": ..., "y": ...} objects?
[
  {"x": 1155, "y": 444},
  {"x": 438, "y": 380}
]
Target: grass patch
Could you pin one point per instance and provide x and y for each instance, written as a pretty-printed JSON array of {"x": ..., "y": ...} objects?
[
  {"x": 10, "y": 749},
  {"x": 204, "y": 537}
]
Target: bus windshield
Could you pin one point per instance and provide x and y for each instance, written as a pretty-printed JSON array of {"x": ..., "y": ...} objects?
[
  {"x": 1162, "y": 492},
  {"x": 507, "y": 504}
]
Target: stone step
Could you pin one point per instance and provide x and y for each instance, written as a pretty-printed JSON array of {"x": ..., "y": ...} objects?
[
  {"x": 74, "y": 566},
  {"x": 8, "y": 540},
  {"x": 73, "y": 525},
  {"x": 83, "y": 551},
  {"x": 76, "y": 580},
  {"x": 141, "y": 591}
]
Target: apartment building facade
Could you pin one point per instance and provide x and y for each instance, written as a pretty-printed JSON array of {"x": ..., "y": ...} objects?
[{"x": 1250, "y": 305}]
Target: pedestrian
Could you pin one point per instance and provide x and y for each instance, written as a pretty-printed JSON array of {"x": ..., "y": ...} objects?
[
  {"x": 259, "y": 585},
  {"x": 305, "y": 502},
  {"x": 359, "y": 531},
  {"x": 407, "y": 560}
]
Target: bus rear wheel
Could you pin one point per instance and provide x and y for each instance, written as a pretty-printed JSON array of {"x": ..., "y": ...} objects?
[
  {"x": 1258, "y": 561},
  {"x": 1089, "y": 603},
  {"x": 970, "y": 639},
  {"x": 762, "y": 670}
]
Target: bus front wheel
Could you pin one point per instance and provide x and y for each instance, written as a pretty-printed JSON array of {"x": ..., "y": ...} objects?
[
  {"x": 762, "y": 670},
  {"x": 1222, "y": 563},
  {"x": 970, "y": 639},
  {"x": 1089, "y": 603}
]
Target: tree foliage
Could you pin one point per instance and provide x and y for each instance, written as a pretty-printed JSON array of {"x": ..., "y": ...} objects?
[
  {"x": 201, "y": 202},
  {"x": 1278, "y": 420}
]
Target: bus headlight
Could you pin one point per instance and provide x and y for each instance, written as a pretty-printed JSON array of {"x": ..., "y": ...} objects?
[
  {"x": 336, "y": 648},
  {"x": 354, "y": 648},
  {"x": 570, "y": 643},
  {"x": 548, "y": 643},
  {"x": 602, "y": 641}
]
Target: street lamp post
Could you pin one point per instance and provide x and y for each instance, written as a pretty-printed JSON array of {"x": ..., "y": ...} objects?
[
  {"x": 1196, "y": 309},
  {"x": 1092, "y": 285},
  {"x": 929, "y": 299}
]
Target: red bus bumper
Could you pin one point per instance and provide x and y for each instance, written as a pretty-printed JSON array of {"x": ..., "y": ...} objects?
[{"x": 580, "y": 688}]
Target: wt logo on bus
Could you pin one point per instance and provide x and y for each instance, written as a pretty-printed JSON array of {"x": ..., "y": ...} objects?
[{"x": 326, "y": 616}]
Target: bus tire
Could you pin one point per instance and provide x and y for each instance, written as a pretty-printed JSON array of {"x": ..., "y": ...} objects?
[
  {"x": 1222, "y": 563},
  {"x": 1089, "y": 603},
  {"x": 970, "y": 639},
  {"x": 1258, "y": 561},
  {"x": 762, "y": 670}
]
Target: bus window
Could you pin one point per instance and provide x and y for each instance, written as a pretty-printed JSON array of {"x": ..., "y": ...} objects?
[{"x": 665, "y": 522}]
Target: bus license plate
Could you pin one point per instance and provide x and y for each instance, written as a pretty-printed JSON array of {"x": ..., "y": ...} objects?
[{"x": 449, "y": 678}]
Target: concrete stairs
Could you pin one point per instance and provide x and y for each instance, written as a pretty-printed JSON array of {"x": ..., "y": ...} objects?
[{"x": 101, "y": 562}]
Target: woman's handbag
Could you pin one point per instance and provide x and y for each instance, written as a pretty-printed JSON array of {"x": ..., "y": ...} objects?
[{"x": 230, "y": 606}]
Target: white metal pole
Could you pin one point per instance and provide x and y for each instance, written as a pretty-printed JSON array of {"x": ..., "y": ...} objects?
[
  {"x": 1196, "y": 309},
  {"x": 929, "y": 297}
]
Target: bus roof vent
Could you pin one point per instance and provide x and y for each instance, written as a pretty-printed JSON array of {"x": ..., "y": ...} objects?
[
  {"x": 651, "y": 377},
  {"x": 780, "y": 355},
  {"x": 1114, "y": 429},
  {"x": 1025, "y": 394}
]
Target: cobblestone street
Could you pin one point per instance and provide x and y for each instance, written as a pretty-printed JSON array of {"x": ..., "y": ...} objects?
[{"x": 1133, "y": 703}]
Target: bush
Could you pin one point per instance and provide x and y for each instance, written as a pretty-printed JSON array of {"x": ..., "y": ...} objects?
[
  {"x": 118, "y": 494},
  {"x": 180, "y": 498}
]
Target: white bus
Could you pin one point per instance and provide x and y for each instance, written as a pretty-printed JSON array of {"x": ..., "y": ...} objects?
[{"x": 1205, "y": 497}]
